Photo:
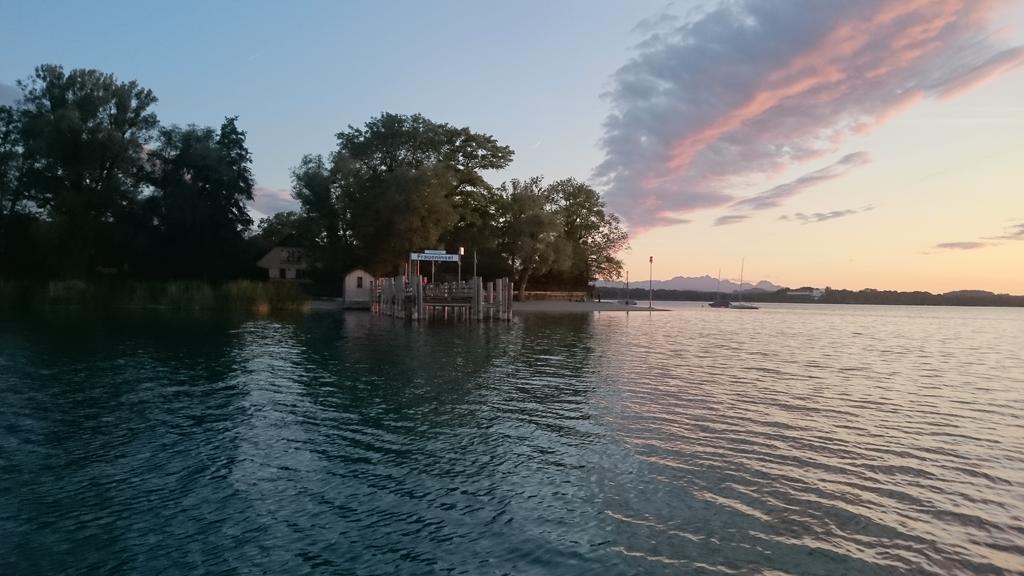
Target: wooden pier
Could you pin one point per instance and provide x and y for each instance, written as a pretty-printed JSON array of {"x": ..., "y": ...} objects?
[{"x": 474, "y": 299}]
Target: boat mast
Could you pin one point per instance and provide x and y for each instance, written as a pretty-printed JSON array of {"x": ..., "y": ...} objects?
[{"x": 742, "y": 262}]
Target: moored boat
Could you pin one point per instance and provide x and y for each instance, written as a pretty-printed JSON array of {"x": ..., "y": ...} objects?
[
  {"x": 719, "y": 302},
  {"x": 740, "y": 305}
]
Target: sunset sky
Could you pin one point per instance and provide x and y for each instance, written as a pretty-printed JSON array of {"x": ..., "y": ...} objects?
[{"x": 852, "y": 144}]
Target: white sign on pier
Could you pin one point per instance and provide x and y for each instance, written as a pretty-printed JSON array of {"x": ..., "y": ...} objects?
[{"x": 434, "y": 257}]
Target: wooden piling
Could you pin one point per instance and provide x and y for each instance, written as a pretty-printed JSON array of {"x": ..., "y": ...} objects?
[{"x": 473, "y": 300}]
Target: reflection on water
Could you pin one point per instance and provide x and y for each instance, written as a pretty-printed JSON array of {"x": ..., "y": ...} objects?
[{"x": 792, "y": 440}]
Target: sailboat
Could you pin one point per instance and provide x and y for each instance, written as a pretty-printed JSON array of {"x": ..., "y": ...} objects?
[
  {"x": 740, "y": 305},
  {"x": 719, "y": 302},
  {"x": 627, "y": 301}
]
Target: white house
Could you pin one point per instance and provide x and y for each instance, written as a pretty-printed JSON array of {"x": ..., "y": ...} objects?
[
  {"x": 356, "y": 289},
  {"x": 284, "y": 263},
  {"x": 812, "y": 293}
]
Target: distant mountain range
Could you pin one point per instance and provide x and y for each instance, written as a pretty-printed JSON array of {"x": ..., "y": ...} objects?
[{"x": 696, "y": 283}]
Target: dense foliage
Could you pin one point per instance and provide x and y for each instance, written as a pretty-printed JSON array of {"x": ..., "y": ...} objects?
[
  {"x": 405, "y": 183},
  {"x": 91, "y": 184}
]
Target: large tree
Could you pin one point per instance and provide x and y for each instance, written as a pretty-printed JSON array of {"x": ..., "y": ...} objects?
[
  {"x": 532, "y": 239},
  {"x": 314, "y": 188},
  {"x": 295, "y": 226},
  {"x": 406, "y": 181},
  {"x": 12, "y": 191},
  {"x": 84, "y": 135},
  {"x": 17, "y": 218},
  {"x": 595, "y": 235},
  {"x": 202, "y": 180}
]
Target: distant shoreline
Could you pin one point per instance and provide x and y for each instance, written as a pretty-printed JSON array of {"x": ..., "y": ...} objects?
[
  {"x": 831, "y": 296},
  {"x": 563, "y": 306}
]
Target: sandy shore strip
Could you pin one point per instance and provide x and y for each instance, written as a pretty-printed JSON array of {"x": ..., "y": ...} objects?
[{"x": 558, "y": 306}]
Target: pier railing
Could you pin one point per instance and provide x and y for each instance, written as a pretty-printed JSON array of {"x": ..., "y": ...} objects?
[{"x": 469, "y": 300}]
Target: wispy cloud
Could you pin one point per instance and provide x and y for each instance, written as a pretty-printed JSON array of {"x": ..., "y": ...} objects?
[
  {"x": 774, "y": 197},
  {"x": 962, "y": 245},
  {"x": 666, "y": 220},
  {"x": 816, "y": 217},
  {"x": 823, "y": 216},
  {"x": 750, "y": 88},
  {"x": 1014, "y": 232},
  {"x": 730, "y": 219},
  {"x": 269, "y": 201},
  {"x": 662, "y": 22}
]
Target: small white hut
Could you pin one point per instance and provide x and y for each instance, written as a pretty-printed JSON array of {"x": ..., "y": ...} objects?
[{"x": 356, "y": 289}]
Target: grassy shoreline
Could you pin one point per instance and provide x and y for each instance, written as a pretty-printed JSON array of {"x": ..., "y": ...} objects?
[{"x": 243, "y": 295}]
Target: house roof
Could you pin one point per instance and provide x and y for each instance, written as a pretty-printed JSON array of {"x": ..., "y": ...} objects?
[{"x": 283, "y": 257}]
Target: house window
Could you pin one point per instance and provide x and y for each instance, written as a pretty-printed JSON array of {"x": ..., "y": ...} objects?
[
  {"x": 293, "y": 255},
  {"x": 359, "y": 281},
  {"x": 282, "y": 273}
]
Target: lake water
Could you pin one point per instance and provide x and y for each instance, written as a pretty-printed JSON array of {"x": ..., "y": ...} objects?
[{"x": 789, "y": 440}]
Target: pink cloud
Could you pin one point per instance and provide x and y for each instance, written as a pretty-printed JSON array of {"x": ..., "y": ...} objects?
[{"x": 750, "y": 89}]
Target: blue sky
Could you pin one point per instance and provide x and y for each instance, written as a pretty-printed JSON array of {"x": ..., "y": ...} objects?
[{"x": 298, "y": 72}]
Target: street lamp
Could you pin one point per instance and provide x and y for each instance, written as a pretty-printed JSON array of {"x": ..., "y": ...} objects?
[{"x": 650, "y": 286}]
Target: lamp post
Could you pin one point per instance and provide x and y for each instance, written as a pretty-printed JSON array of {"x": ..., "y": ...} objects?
[
  {"x": 650, "y": 285},
  {"x": 461, "y": 252}
]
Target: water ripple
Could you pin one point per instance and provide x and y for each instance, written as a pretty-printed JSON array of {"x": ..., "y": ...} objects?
[{"x": 792, "y": 440}]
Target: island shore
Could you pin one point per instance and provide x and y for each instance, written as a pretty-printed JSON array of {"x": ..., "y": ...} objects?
[{"x": 561, "y": 306}]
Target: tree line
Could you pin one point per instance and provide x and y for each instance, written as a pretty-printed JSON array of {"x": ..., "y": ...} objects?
[
  {"x": 402, "y": 183},
  {"x": 91, "y": 183},
  {"x": 830, "y": 296}
]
